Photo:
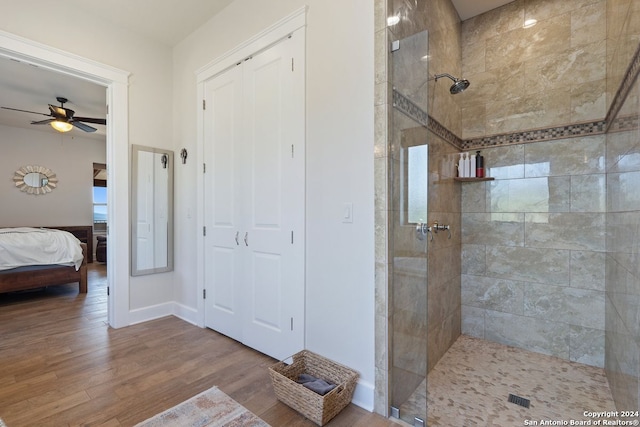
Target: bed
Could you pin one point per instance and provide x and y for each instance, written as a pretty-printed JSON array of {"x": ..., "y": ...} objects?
[{"x": 38, "y": 257}]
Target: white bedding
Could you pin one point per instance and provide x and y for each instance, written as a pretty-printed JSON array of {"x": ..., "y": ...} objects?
[{"x": 38, "y": 246}]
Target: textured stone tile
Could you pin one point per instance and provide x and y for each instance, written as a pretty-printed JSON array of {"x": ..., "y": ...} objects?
[
  {"x": 470, "y": 385},
  {"x": 565, "y": 231},
  {"x": 589, "y": 101},
  {"x": 443, "y": 300},
  {"x": 506, "y": 229},
  {"x": 586, "y": 345},
  {"x": 494, "y": 22},
  {"x": 573, "y": 66},
  {"x": 588, "y": 193},
  {"x": 622, "y": 191},
  {"x": 473, "y": 321},
  {"x": 493, "y": 294},
  {"x": 522, "y": 44},
  {"x": 539, "y": 110},
  {"x": 529, "y": 264},
  {"x": 538, "y": 335},
  {"x": 504, "y": 162},
  {"x": 589, "y": 24},
  {"x": 473, "y": 259},
  {"x": 579, "y": 307},
  {"x": 474, "y": 196},
  {"x": 623, "y": 152},
  {"x": 545, "y": 9},
  {"x": 588, "y": 270},
  {"x": 519, "y": 195},
  {"x": 574, "y": 156}
]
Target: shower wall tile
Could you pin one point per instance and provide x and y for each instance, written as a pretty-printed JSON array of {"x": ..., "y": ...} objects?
[
  {"x": 619, "y": 198},
  {"x": 577, "y": 231},
  {"x": 504, "y": 162},
  {"x": 545, "y": 9},
  {"x": 506, "y": 229},
  {"x": 588, "y": 102},
  {"x": 538, "y": 110},
  {"x": 573, "y": 156},
  {"x": 474, "y": 196},
  {"x": 443, "y": 301},
  {"x": 493, "y": 294},
  {"x": 475, "y": 118},
  {"x": 473, "y": 321},
  {"x": 539, "y": 335},
  {"x": 586, "y": 345},
  {"x": 520, "y": 195},
  {"x": 589, "y": 23},
  {"x": 549, "y": 266},
  {"x": 474, "y": 260},
  {"x": 494, "y": 22},
  {"x": 573, "y": 66},
  {"x": 623, "y": 151},
  {"x": 578, "y": 307},
  {"x": 588, "y": 193},
  {"x": 588, "y": 270},
  {"x": 496, "y": 83},
  {"x": 522, "y": 44}
]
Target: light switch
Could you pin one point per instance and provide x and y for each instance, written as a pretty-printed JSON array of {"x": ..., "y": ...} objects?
[{"x": 347, "y": 212}]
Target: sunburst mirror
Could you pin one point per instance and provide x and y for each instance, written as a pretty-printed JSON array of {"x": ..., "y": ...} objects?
[{"x": 35, "y": 180}]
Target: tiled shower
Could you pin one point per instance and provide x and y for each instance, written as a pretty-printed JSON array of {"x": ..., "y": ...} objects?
[{"x": 544, "y": 257}]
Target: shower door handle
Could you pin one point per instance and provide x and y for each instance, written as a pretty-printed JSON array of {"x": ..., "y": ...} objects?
[{"x": 421, "y": 231}]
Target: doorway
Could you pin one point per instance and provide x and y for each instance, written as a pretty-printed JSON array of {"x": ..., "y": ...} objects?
[{"x": 115, "y": 82}]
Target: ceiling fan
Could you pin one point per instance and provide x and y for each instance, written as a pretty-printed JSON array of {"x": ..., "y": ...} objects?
[{"x": 63, "y": 119}]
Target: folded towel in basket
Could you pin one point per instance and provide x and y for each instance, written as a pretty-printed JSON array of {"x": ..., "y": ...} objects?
[
  {"x": 319, "y": 386},
  {"x": 305, "y": 378}
]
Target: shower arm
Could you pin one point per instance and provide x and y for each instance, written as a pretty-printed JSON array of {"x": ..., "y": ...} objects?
[{"x": 438, "y": 76}]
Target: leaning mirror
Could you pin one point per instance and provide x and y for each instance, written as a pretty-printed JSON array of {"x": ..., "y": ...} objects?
[
  {"x": 151, "y": 210},
  {"x": 35, "y": 180}
]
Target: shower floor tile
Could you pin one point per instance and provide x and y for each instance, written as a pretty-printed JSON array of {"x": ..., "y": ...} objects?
[{"x": 470, "y": 386}]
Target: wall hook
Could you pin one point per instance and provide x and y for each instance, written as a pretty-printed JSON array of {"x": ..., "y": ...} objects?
[{"x": 183, "y": 155}]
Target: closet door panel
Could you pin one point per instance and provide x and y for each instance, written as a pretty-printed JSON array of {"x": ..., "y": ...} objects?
[
  {"x": 223, "y": 202},
  {"x": 274, "y": 319}
]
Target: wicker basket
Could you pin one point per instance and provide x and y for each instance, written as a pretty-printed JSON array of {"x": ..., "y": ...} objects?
[{"x": 319, "y": 409}]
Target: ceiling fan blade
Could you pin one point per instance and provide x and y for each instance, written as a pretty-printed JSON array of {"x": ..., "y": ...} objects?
[
  {"x": 91, "y": 120},
  {"x": 82, "y": 126},
  {"x": 25, "y": 111},
  {"x": 43, "y": 122}
]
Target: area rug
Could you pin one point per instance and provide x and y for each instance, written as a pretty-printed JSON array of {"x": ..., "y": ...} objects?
[{"x": 210, "y": 408}]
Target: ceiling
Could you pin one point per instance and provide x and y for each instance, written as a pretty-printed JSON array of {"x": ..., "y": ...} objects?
[{"x": 26, "y": 87}]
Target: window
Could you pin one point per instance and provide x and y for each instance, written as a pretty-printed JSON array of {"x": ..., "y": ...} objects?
[{"x": 99, "y": 197}]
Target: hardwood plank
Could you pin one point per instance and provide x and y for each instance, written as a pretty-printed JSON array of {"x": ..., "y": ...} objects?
[{"x": 62, "y": 365}]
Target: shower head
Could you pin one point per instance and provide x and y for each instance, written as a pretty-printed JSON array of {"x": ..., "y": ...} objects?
[{"x": 459, "y": 85}]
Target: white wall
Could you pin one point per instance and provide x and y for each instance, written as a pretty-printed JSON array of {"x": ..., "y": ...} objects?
[
  {"x": 70, "y": 158},
  {"x": 339, "y": 100},
  {"x": 150, "y": 97}
]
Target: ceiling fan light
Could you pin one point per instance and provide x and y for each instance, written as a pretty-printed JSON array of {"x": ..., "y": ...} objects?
[{"x": 61, "y": 126}]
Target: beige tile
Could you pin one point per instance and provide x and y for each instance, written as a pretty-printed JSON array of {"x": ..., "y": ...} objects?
[
  {"x": 471, "y": 383},
  {"x": 549, "y": 266},
  {"x": 588, "y": 101},
  {"x": 493, "y": 294},
  {"x": 494, "y": 22},
  {"x": 506, "y": 229},
  {"x": 572, "y": 156},
  {"x": 575, "y": 231},
  {"x": 588, "y": 193},
  {"x": 589, "y": 23},
  {"x": 546, "y": 9}
]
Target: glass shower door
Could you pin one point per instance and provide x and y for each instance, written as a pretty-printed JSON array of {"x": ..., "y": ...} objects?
[{"x": 408, "y": 239}]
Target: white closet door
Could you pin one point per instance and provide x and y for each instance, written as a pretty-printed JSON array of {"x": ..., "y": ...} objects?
[
  {"x": 254, "y": 200},
  {"x": 274, "y": 272},
  {"x": 223, "y": 202}
]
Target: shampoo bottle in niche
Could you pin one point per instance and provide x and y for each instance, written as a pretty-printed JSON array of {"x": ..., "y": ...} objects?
[
  {"x": 461, "y": 166},
  {"x": 472, "y": 165},
  {"x": 465, "y": 165},
  {"x": 479, "y": 165}
]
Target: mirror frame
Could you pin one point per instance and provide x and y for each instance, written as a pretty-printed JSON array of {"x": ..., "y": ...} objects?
[
  {"x": 135, "y": 149},
  {"x": 20, "y": 174}
]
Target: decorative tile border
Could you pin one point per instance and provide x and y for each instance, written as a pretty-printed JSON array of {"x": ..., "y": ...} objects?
[
  {"x": 415, "y": 112},
  {"x": 537, "y": 135},
  {"x": 626, "y": 123}
]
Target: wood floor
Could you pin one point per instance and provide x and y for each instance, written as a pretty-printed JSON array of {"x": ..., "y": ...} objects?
[{"x": 60, "y": 364}]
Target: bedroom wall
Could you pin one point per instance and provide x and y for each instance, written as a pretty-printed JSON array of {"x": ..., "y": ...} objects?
[
  {"x": 339, "y": 111},
  {"x": 150, "y": 97},
  {"x": 70, "y": 158}
]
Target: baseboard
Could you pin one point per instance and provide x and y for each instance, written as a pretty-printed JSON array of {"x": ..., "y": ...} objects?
[
  {"x": 364, "y": 395},
  {"x": 188, "y": 314},
  {"x": 150, "y": 313}
]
